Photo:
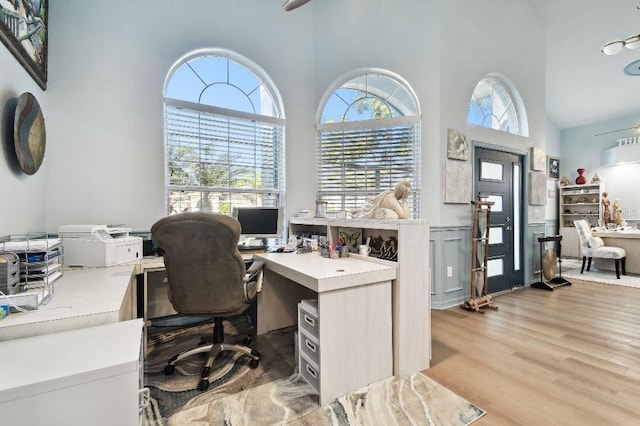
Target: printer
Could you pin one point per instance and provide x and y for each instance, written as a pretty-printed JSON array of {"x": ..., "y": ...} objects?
[{"x": 99, "y": 245}]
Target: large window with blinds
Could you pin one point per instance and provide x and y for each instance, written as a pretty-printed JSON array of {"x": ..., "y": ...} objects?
[
  {"x": 224, "y": 135},
  {"x": 368, "y": 139}
]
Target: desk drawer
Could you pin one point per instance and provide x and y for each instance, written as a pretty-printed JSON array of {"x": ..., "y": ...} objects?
[
  {"x": 308, "y": 318},
  {"x": 310, "y": 372},
  {"x": 309, "y": 346}
]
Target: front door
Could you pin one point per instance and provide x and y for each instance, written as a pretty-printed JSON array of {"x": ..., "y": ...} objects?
[{"x": 498, "y": 175}]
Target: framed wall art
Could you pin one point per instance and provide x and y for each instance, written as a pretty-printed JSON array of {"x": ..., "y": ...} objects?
[
  {"x": 537, "y": 189},
  {"x": 457, "y": 145},
  {"x": 538, "y": 159},
  {"x": 24, "y": 31},
  {"x": 458, "y": 180},
  {"x": 553, "y": 168}
]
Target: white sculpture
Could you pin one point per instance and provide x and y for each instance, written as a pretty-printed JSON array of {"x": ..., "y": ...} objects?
[{"x": 388, "y": 204}]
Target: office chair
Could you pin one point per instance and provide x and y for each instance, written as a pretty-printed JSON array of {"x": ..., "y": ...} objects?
[
  {"x": 207, "y": 276},
  {"x": 591, "y": 247}
]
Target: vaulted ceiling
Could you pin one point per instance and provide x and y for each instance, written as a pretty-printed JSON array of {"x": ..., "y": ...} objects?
[{"x": 584, "y": 86}]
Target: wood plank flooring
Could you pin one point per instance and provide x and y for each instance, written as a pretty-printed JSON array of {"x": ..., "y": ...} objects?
[{"x": 565, "y": 357}]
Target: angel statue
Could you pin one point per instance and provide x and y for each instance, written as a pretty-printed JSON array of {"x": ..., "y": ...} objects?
[{"x": 388, "y": 204}]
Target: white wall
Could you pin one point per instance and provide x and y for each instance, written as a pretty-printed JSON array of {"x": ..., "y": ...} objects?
[
  {"x": 108, "y": 61},
  {"x": 22, "y": 197},
  {"x": 581, "y": 148},
  {"x": 480, "y": 38}
]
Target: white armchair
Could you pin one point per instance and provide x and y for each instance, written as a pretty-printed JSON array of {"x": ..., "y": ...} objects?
[{"x": 591, "y": 247}]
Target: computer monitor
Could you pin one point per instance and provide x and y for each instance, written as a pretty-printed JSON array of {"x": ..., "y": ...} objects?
[{"x": 260, "y": 222}]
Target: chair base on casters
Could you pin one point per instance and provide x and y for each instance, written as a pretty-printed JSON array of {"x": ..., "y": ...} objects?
[
  {"x": 620, "y": 264},
  {"x": 214, "y": 350}
]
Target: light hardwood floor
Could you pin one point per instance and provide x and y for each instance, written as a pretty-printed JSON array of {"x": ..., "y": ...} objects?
[{"x": 565, "y": 357}]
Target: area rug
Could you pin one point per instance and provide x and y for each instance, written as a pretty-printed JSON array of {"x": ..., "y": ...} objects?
[
  {"x": 571, "y": 270},
  {"x": 275, "y": 394}
]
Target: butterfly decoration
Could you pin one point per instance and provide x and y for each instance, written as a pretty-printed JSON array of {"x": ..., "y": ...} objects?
[{"x": 350, "y": 240}]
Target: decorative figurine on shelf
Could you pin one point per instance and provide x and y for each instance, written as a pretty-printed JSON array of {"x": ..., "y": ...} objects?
[
  {"x": 581, "y": 180},
  {"x": 388, "y": 204},
  {"x": 606, "y": 213},
  {"x": 564, "y": 181},
  {"x": 595, "y": 179},
  {"x": 617, "y": 213}
]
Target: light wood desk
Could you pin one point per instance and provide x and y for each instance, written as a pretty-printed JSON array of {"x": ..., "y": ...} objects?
[
  {"x": 628, "y": 240},
  {"x": 354, "y": 314},
  {"x": 81, "y": 298}
]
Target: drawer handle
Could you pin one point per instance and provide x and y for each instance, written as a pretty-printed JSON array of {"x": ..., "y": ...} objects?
[
  {"x": 311, "y": 371},
  {"x": 309, "y": 321},
  {"x": 310, "y": 345}
]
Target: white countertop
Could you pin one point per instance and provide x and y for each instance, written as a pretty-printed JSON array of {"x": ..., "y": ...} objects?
[
  {"x": 41, "y": 364},
  {"x": 81, "y": 298},
  {"x": 322, "y": 274}
]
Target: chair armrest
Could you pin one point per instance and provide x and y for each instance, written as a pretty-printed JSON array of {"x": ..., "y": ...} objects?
[
  {"x": 253, "y": 281},
  {"x": 255, "y": 268}
]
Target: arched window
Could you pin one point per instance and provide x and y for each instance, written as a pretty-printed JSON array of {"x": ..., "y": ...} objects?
[
  {"x": 368, "y": 139},
  {"x": 496, "y": 105},
  {"x": 224, "y": 134}
]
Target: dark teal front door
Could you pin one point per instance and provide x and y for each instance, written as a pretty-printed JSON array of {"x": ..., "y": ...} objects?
[{"x": 498, "y": 175}]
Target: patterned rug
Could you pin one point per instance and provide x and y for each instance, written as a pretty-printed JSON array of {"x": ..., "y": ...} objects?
[{"x": 275, "y": 394}]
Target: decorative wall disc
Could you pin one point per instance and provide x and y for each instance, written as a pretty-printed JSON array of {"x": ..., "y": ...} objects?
[{"x": 29, "y": 135}]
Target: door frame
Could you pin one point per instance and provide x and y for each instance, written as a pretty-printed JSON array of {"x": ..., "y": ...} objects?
[{"x": 526, "y": 161}]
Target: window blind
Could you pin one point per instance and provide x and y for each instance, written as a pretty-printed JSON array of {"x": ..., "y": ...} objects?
[
  {"x": 359, "y": 159},
  {"x": 219, "y": 158}
]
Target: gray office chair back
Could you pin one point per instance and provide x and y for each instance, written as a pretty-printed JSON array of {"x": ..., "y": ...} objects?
[{"x": 204, "y": 267}]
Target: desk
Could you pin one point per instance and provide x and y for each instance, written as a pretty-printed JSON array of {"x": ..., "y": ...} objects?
[
  {"x": 628, "y": 240},
  {"x": 81, "y": 298},
  {"x": 87, "y": 376},
  {"x": 354, "y": 314}
]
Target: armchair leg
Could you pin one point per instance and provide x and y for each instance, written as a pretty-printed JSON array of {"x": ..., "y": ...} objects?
[
  {"x": 584, "y": 260},
  {"x": 589, "y": 264},
  {"x": 617, "y": 268}
]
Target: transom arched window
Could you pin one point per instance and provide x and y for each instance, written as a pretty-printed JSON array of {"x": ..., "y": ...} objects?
[
  {"x": 496, "y": 105},
  {"x": 368, "y": 139},
  {"x": 224, "y": 134}
]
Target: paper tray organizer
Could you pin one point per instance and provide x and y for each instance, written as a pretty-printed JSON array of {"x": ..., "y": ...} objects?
[{"x": 29, "y": 264}]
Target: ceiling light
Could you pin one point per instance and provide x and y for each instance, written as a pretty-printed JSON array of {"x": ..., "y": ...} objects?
[
  {"x": 293, "y": 4},
  {"x": 615, "y": 46},
  {"x": 612, "y": 47},
  {"x": 632, "y": 42}
]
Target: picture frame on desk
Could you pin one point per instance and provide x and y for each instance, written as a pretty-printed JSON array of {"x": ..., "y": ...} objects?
[{"x": 24, "y": 30}]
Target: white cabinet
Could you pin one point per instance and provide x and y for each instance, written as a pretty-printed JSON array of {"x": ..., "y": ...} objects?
[
  {"x": 87, "y": 376},
  {"x": 411, "y": 295},
  {"x": 578, "y": 202}
]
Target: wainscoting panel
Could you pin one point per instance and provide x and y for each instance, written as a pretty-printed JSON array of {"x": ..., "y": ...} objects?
[
  {"x": 450, "y": 254},
  {"x": 533, "y": 254},
  {"x": 450, "y": 249}
]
